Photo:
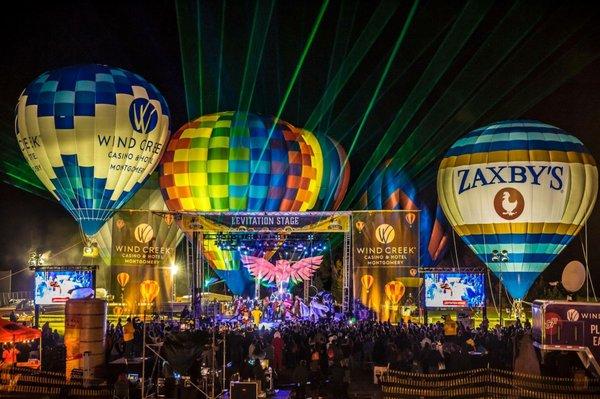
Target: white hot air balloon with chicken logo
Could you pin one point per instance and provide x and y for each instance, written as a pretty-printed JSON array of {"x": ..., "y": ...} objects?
[{"x": 517, "y": 192}]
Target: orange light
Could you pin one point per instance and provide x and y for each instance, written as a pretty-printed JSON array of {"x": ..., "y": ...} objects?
[
  {"x": 367, "y": 281},
  {"x": 394, "y": 290},
  {"x": 149, "y": 290},
  {"x": 123, "y": 279}
]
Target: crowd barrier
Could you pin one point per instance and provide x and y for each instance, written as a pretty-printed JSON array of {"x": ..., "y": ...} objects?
[
  {"x": 23, "y": 382},
  {"x": 486, "y": 383}
]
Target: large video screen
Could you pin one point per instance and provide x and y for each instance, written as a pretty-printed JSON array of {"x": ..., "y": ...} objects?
[
  {"x": 56, "y": 287},
  {"x": 454, "y": 290}
]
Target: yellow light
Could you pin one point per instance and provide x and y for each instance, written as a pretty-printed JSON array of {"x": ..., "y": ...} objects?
[{"x": 174, "y": 269}]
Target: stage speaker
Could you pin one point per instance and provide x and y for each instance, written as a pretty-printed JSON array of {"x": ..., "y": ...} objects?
[{"x": 244, "y": 389}]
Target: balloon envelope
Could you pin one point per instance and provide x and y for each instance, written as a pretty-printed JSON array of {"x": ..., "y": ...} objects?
[
  {"x": 517, "y": 192},
  {"x": 234, "y": 161},
  {"x": 92, "y": 134}
]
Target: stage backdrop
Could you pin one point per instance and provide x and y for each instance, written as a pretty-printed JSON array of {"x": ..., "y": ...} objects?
[
  {"x": 386, "y": 261},
  {"x": 143, "y": 248}
]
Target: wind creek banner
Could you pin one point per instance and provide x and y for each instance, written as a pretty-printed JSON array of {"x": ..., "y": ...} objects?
[
  {"x": 385, "y": 247},
  {"x": 305, "y": 222},
  {"x": 143, "y": 248}
]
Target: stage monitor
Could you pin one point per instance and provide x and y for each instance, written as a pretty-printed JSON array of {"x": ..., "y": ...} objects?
[
  {"x": 444, "y": 290},
  {"x": 55, "y": 287}
]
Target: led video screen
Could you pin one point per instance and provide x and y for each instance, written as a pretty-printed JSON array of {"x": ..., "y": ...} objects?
[
  {"x": 56, "y": 287},
  {"x": 454, "y": 290}
]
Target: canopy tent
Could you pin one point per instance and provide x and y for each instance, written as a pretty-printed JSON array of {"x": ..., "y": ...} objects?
[{"x": 13, "y": 332}]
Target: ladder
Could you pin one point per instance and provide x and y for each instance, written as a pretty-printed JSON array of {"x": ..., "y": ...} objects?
[{"x": 346, "y": 273}]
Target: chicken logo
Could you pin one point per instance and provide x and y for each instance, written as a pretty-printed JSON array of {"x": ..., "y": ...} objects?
[{"x": 509, "y": 203}]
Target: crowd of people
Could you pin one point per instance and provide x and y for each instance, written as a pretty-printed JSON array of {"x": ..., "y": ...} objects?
[{"x": 328, "y": 353}]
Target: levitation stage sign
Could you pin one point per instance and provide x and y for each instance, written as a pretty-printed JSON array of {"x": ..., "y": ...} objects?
[{"x": 285, "y": 222}]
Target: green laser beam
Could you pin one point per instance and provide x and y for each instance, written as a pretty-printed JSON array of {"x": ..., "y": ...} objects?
[
  {"x": 388, "y": 65},
  {"x": 199, "y": 44},
  {"x": 343, "y": 33},
  {"x": 292, "y": 81},
  {"x": 533, "y": 53},
  {"x": 183, "y": 56},
  {"x": 465, "y": 24},
  {"x": 404, "y": 64},
  {"x": 222, "y": 40},
  {"x": 376, "y": 24},
  {"x": 500, "y": 43},
  {"x": 258, "y": 35}
]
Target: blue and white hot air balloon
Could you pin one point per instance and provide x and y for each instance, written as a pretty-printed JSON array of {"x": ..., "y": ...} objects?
[
  {"x": 517, "y": 192},
  {"x": 92, "y": 134}
]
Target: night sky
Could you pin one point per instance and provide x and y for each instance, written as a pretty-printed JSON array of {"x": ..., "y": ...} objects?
[{"x": 143, "y": 36}]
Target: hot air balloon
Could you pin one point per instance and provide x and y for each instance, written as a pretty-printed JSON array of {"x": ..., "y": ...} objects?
[
  {"x": 149, "y": 290},
  {"x": 517, "y": 192},
  {"x": 367, "y": 281},
  {"x": 394, "y": 290},
  {"x": 123, "y": 279},
  {"x": 393, "y": 189},
  {"x": 233, "y": 161},
  {"x": 92, "y": 134}
]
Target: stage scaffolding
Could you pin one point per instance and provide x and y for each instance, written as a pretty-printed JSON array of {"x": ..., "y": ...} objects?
[{"x": 198, "y": 224}]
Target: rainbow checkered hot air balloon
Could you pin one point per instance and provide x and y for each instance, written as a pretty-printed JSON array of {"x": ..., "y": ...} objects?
[
  {"x": 393, "y": 190},
  {"x": 517, "y": 192},
  {"x": 92, "y": 134},
  {"x": 234, "y": 161}
]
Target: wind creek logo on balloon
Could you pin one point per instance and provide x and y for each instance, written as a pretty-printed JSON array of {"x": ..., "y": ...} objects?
[
  {"x": 143, "y": 116},
  {"x": 385, "y": 233}
]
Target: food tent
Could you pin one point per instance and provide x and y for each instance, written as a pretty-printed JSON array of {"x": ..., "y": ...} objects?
[{"x": 11, "y": 332}]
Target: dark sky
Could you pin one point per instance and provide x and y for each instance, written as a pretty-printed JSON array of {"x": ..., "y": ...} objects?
[{"x": 142, "y": 36}]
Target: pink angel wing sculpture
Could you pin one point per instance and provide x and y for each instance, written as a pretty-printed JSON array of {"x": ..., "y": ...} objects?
[
  {"x": 305, "y": 268},
  {"x": 260, "y": 267}
]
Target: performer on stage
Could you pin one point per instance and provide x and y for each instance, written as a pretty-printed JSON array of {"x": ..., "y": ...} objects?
[{"x": 256, "y": 315}]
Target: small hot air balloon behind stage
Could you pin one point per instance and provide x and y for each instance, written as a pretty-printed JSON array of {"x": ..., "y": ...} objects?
[
  {"x": 92, "y": 134},
  {"x": 517, "y": 192},
  {"x": 234, "y": 161},
  {"x": 149, "y": 289}
]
